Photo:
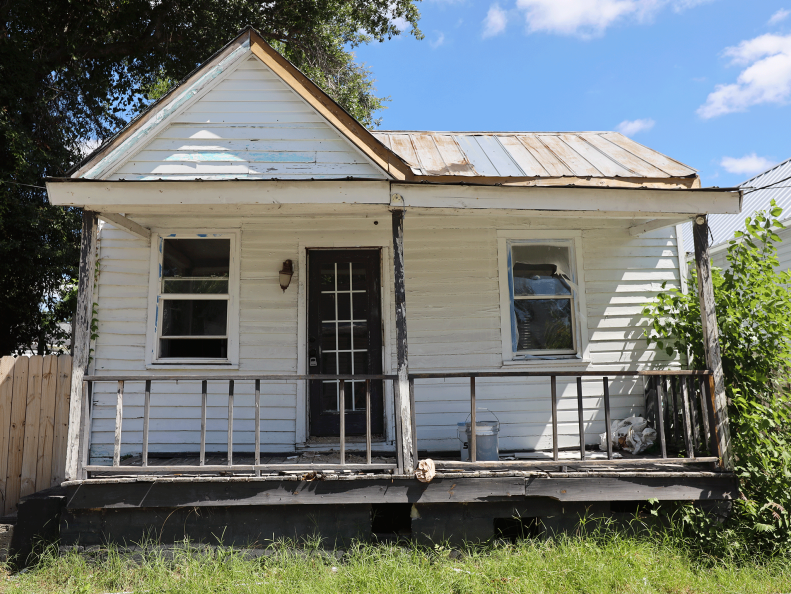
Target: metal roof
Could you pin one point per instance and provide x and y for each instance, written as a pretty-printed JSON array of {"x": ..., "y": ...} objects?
[
  {"x": 724, "y": 226},
  {"x": 530, "y": 154}
]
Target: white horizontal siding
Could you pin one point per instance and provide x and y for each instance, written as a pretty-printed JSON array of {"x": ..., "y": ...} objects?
[
  {"x": 453, "y": 324},
  {"x": 250, "y": 125}
]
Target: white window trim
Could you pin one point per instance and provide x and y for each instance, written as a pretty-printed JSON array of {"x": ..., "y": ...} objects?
[
  {"x": 582, "y": 356},
  {"x": 154, "y": 311}
]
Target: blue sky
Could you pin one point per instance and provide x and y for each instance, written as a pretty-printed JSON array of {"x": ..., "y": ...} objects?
[{"x": 707, "y": 82}]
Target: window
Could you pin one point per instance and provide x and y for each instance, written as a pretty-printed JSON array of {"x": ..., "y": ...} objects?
[
  {"x": 194, "y": 288},
  {"x": 541, "y": 307}
]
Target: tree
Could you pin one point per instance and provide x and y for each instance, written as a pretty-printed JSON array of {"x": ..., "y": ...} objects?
[
  {"x": 73, "y": 72},
  {"x": 753, "y": 306}
]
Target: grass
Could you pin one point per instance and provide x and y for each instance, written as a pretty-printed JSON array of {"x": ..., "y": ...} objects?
[{"x": 610, "y": 563}]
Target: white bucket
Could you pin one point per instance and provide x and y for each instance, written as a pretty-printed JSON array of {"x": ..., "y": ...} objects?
[{"x": 487, "y": 444}]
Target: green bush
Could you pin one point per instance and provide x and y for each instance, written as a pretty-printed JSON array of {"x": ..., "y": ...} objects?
[{"x": 753, "y": 305}]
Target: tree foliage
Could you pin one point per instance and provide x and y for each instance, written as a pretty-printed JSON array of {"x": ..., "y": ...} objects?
[
  {"x": 73, "y": 72},
  {"x": 753, "y": 305}
]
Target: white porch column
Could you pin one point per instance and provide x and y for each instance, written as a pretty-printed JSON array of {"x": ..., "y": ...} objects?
[
  {"x": 403, "y": 413},
  {"x": 78, "y": 406}
]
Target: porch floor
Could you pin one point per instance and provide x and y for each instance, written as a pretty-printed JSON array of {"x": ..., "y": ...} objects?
[{"x": 522, "y": 464}]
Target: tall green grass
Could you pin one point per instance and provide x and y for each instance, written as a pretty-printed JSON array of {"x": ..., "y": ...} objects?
[{"x": 605, "y": 562}]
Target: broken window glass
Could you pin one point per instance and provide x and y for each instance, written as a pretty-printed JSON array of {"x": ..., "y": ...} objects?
[{"x": 542, "y": 279}]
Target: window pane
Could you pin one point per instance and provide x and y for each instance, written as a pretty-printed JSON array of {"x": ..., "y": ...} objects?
[
  {"x": 543, "y": 324},
  {"x": 195, "y": 265},
  {"x": 540, "y": 270},
  {"x": 193, "y": 348},
  {"x": 194, "y": 317}
]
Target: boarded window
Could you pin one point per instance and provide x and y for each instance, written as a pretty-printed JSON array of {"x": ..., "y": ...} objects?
[
  {"x": 193, "y": 298},
  {"x": 542, "y": 298}
]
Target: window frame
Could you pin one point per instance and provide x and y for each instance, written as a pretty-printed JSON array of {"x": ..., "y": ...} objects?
[
  {"x": 572, "y": 240},
  {"x": 155, "y": 311}
]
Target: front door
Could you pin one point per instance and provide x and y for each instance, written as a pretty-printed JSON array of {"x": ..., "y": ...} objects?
[{"x": 344, "y": 337}]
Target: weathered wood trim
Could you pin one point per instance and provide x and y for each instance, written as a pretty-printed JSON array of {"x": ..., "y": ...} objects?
[
  {"x": 633, "y": 489},
  {"x": 403, "y": 414},
  {"x": 82, "y": 341},
  {"x": 642, "y": 228},
  {"x": 202, "y": 493},
  {"x": 711, "y": 342},
  {"x": 126, "y": 224},
  {"x": 527, "y": 464},
  {"x": 366, "y": 142}
]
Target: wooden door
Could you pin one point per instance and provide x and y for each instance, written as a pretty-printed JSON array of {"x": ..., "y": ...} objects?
[{"x": 344, "y": 337}]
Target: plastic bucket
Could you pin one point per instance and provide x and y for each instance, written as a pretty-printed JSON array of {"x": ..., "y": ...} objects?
[{"x": 464, "y": 448}]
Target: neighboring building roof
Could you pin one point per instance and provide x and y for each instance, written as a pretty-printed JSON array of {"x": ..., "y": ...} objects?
[
  {"x": 530, "y": 154},
  {"x": 776, "y": 187}
]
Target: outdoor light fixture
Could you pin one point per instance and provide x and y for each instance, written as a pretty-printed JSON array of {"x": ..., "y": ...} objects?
[
  {"x": 700, "y": 219},
  {"x": 286, "y": 274}
]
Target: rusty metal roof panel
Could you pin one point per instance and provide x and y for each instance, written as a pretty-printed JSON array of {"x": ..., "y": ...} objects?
[{"x": 530, "y": 155}]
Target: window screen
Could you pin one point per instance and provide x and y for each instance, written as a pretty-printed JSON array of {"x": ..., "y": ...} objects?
[
  {"x": 194, "y": 299},
  {"x": 542, "y": 305}
]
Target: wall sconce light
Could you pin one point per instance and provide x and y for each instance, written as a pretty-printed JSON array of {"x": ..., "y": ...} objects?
[{"x": 286, "y": 274}]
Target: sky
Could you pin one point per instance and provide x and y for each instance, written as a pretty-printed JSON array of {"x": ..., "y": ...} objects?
[{"x": 707, "y": 82}]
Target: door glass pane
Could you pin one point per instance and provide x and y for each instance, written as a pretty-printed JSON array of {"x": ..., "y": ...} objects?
[
  {"x": 327, "y": 306},
  {"x": 360, "y": 306},
  {"x": 195, "y": 265},
  {"x": 359, "y": 395},
  {"x": 193, "y": 317},
  {"x": 327, "y": 339},
  {"x": 327, "y": 277},
  {"x": 328, "y": 363},
  {"x": 329, "y": 395},
  {"x": 344, "y": 363},
  {"x": 540, "y": 270},
  {"x": 344, "y": 306},
  {"x": 543, "y": 324},
  {"x": 193, "y": 348},
  {"x": 359, "y": 281},
  {"x": 344, "y": 335},
  {"x": 343, "y": 276}
]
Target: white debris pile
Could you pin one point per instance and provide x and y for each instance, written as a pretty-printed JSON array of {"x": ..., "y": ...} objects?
[{"x": 632, "y": 434}]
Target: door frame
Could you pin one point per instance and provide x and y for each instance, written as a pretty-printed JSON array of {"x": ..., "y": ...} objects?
[{"x": 388, "y": 319}]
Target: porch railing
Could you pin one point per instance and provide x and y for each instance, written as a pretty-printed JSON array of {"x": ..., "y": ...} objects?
[
  {"x": 680, "y": 407},
  {"x": 683, "y": 412}
]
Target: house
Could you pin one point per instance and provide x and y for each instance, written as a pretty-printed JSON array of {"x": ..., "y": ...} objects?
[
  {"x": 759, "y": 191},
  {"x": 283, "y": 296}
]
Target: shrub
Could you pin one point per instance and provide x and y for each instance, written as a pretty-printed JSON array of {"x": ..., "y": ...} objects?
[{"x": 753, "y": 306}]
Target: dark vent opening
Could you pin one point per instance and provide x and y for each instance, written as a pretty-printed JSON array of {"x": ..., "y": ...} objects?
[
  {"x": 517, "y": 528},
  {"x": 629, "y": 507},
  {"x": 391, "y": 519}
]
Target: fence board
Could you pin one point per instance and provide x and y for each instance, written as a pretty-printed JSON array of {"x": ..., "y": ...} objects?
[
  {"x": 17, "y": 434},
  {"x": 32, "y": 415},
  {"x": 46, "y": 422},
  {"x": 6, "y": 394},
  {"x": 61, "y": 433}
]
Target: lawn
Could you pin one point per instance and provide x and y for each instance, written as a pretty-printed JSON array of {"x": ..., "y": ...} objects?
[{"x": 568, "y": 564}]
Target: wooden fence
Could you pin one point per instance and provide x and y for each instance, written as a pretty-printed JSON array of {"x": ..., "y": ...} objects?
[{"x": 34, "y": 425}]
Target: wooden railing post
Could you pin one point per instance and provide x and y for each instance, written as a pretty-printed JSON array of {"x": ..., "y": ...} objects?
[
  {"x": 473, "y": 424},
  {"x": 119, "y": 420},
  {"x": 146, "y": 419},
  {"x": 204, "y": 396},
  {"x": 689, "y": 442},
  {"x": 82, "y": 344},
  {"x": 660, "y": 416},
  {"x": 711, "y": 342},
  {"x": 580, "y": 418},
  {"x": 402, "y": 384},
  {"x": 553, "y": 388},
  {"x": 607, "y": 421},
  {"x": 230, "y": 422},
  {"x": 367, "y": 421},
  {"x": 257, "y": 425},
  {"x": 342, "y": 407}
]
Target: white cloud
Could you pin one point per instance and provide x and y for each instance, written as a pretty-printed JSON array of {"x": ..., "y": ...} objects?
[
  {"x": 779, "y": 16},
  {"x": 632, "y": 127},
  {"x": 766, "y": 79},
  {"x": 746, "y": 165},
  {"x": 438, "y": 41},
  {"x": 590, "y": 18},
  {"x": 495, "y": 21}
]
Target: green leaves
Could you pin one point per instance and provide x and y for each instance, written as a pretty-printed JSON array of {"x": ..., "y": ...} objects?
[{"x": 753, "y": 306}]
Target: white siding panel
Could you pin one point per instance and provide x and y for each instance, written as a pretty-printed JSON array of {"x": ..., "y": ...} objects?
[
  {"x": 452, "y": 283},
  {"x": 249, "y": 125}
]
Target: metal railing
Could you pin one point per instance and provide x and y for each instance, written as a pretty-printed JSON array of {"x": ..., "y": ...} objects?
[{"x": 688, "y": 413}]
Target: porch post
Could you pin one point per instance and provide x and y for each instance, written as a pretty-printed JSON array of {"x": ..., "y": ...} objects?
[
  {"x": 402, "y": 399},
  {"x": 81, "y": 335},
  {"x": 711, "y": 342}
]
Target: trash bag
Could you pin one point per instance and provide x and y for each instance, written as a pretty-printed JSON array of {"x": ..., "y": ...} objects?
[{"x": 632, "y": 434}]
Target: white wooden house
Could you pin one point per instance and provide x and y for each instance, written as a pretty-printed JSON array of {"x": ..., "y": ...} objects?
[{"x": 251, "y": 230}]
